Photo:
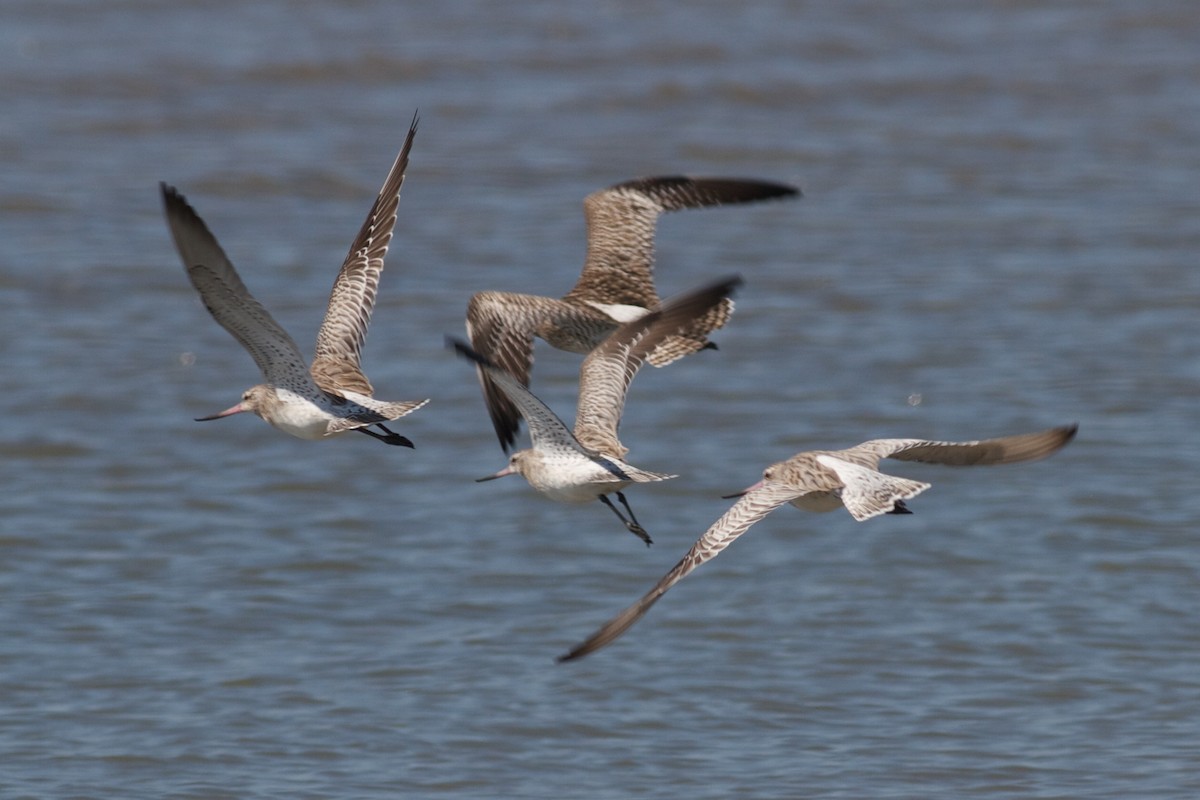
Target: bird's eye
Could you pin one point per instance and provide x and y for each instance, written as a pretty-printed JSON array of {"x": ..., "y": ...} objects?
[{"x": 767, "y": 474}]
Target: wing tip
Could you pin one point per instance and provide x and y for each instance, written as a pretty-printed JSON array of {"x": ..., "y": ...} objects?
[
  {"x": 173, "y": 198},
  {"x": 465, "y": 350},
  {"x": 574, "y": 654}
]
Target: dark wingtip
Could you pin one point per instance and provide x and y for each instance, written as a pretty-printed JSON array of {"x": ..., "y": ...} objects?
[
  {"x": 772, "y": 190},
  {"x": 742, "y": 190},
  {"x": 588, "y": 646},
  {"x": 712, "y": 190},
  {"x": 1066, "y": 435},
  {"x": 507, "y": 434},
  {"x": 174, "y": 202},
  {"x": 461, "y": 347},
  {"x": 465, "y": 350},
  {"x": 170, "y": 194},
  {"x": 780, "y": 191},
  {"x": 730, "y": 284},
  {"x": 577, "y": 652}
]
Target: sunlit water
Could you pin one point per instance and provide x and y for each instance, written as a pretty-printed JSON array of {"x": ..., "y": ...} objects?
[{"x": 999, "y": 233}]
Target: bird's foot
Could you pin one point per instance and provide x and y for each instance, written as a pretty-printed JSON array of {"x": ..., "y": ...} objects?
[
  {"x": 390, "y": 438},
  {"x": 640, "y": 532},
  {"x": 631, "y": 523},
  {"x": 397, "y": 439}
]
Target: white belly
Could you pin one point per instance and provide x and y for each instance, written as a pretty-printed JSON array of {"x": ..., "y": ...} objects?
[
  {"x": 574, "y": 481},
  {"x": 621, "y": 313},
  {"x": 300, "y": 417}
]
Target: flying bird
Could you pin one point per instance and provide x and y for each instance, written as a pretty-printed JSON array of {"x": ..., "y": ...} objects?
[
  {"x": 824, "y": 480},
  {"x": 616, "y": 286},
  {"x": 332, "y": 395},
  {"x": 588, "y": 464}
]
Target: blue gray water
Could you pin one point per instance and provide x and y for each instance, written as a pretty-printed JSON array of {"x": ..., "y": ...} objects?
[{"x": 999, "y": 233}]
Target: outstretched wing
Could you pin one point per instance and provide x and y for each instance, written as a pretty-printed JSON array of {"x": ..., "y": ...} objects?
[
  {"x": 501, "y": 326},
  {"x": 608, "y": 370},
  {"x": 545, "y": 428},
  {"x": 1002, "y": 450},
  {"x": 228, "y": 299},
  {"x": 336, "y": 366},
  {"x": 753, "y": 506},
  {"x": 621, "y": 222}
]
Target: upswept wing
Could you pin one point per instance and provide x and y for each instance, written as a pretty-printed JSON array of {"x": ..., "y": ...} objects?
[
  {"x": 545, "y": 429},
  {"x": 501, "y": 327},
  {"x": 336, "y": 366},
  {"x": 608, "y": 370},
  {"x": 228, "y": 299},
  {"x": 621, "y": 222},
  {"x": 752, "y": 507}
]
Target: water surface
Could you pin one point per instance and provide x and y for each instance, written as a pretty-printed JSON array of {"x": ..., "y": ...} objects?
[{"x": 999, "y": 233}]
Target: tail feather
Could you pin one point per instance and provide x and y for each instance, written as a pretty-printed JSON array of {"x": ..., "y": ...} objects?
[
  {"x": 694, "y": 339},
  {"x": 867, "y": 493},
  {"x": 883, "y": 494},
  {"x": 375, "y": 412},
  {"x": 645, "y": 476},
  {"x": 403, "y": 408}
]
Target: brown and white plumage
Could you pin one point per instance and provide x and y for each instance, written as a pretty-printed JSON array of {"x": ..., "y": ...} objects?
[
  {"x": 332, "y": 395},
  {"x": 616, "y": 285},
  {"x": 588, "y": 464},
  {"x": 823, "y": 480}
]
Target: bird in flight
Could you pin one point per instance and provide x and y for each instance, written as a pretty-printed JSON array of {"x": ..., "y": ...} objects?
[
  {"x": 589, "y": 463},
  {"x": 332, "y": 394},
  {"x": 825, "y": 480},
  {"x": 615, "y": 287}
]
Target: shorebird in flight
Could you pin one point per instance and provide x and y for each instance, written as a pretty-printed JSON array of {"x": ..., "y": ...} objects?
[
  {"x": 588, "y": 464},
  {"x": 616, "y": 286},
  {"x": 332, "y": 395},
  {"x": 824, "y": 480}
]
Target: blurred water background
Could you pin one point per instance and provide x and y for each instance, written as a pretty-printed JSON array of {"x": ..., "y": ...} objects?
[{"x": 999, "y": 233}]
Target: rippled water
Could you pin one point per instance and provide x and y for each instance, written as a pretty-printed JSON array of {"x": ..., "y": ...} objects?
[{"x": 999, "y": 233}]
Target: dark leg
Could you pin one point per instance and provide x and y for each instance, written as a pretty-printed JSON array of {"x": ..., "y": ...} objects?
[
  {"x": 391, "y": 438},
  {"x": 631, "y": 523},
  {"x": 899, "y": 508}
]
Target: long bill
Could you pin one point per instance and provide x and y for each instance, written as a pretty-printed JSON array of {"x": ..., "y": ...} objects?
[
  {"x": 506, "y": 471},
  {"x": 238, "y": 409}
]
